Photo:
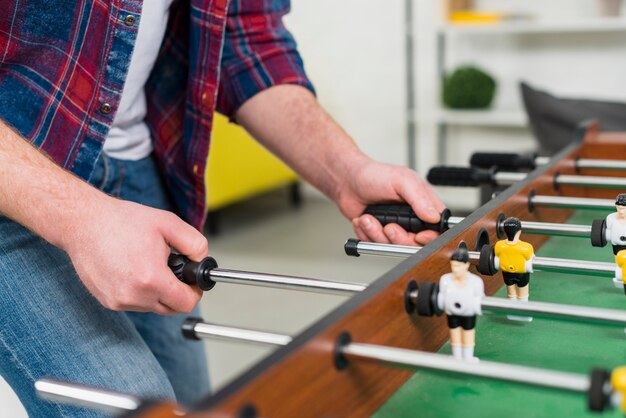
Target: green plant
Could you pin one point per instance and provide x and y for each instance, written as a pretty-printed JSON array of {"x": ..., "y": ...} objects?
[{"x": 468, "y": 88}]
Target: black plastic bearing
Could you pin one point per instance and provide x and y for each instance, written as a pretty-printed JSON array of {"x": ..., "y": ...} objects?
[
  {"x": 486, "y": 262},
  {"x": 499, "y": 226},
  {"x": 482, "y": 239},
  {"x": 188, "y": 327},
  {"x": 409, "y": 305},
  {"x": 597, "y": 396},
  {"x": 598, "y": 229},
  {"x": 425, "y": 292},
  {"x": 248, "y": 411},
  {"x": 340, "y": 361},
  {"x": 351, "y": 247}
]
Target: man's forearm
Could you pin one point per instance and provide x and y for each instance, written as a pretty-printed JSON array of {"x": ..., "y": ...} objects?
[
  {"x": 289, "y": 121},
  {"x": 39, "y": 194}
]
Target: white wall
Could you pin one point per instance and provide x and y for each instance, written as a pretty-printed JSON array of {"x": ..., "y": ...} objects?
[{"x": 354, "y": 53}]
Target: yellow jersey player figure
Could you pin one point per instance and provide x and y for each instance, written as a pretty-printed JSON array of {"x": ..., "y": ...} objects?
[
  {"x": 620, "y": 268},
  {"x": 460, "y": 297},
  {"x": 514, "y": 258}
]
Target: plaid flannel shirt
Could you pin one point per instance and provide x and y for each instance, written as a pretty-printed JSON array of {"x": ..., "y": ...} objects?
[{"x": 63, "y": 65}]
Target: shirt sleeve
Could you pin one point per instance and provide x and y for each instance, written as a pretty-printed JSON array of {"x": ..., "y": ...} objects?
[{"x": 259, "y": 52}]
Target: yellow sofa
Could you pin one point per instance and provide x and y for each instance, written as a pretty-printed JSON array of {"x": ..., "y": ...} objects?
[{"x": 240, "y": 168}]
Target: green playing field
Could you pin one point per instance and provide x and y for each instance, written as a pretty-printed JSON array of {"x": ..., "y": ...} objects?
[{"x": 551, "y": 344}]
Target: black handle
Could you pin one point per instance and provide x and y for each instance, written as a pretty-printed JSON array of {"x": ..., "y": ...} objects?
[
  {"x": 460, "y": 176},
  {"x": 503, "y": 160},
  {"x": 404, "y": 216},
  {"x": 192, "y": 272}
]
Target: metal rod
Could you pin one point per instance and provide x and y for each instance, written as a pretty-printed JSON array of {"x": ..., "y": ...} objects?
[
  {"x": 422, "y": 360},
  {"x": 500, "y": 371},
  {"x": 543, "y": 228},
  {"x": 549, "y": 310},
  {"x": 596, "y": 181},
  {"x": 542, "y": 309},
  {"x": 503, "y": 178},
  {"x": 563, "y": 265},
  {"x": 84, "y": 396},
  {"x": 572, "y": 202},
  {"x": 276, "y": 281},
  {"x": 589, "y": 163},
  {"x": 601, "y": 164},
  {"x": 547, "y": 228},
  {"x": 207, "y": 330},
  {"x": 542, "y": 161},
  {"x": 455, "y": 220},
  {"x": 390, "y": 250},
  {"x": 560, "y": 265}
]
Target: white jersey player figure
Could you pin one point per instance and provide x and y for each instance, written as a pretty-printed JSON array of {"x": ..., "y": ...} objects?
[
  {"x": 460, "y": 297},
  {"x": 615, "y": 231}
]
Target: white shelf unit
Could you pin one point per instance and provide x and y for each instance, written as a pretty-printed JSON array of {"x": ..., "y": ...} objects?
[
  {"x": 605, "y": 24},
  {"x": 488, "y": 117},
  {"x": 504, "y": 118},
  {"x": 556, "y": 50}
]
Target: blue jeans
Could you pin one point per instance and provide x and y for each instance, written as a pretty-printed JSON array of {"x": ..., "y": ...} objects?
[{"x": 50, "y": 326}]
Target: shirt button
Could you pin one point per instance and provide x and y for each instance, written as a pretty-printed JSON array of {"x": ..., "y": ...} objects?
[
  {"x": 130, "y": 20},
  {"x": 105, "y": 108}
]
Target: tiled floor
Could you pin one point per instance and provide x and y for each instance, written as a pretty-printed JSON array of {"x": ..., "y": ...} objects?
[
  {"x": 266, "y": 235},
  {"x": 306, "y": 242}
]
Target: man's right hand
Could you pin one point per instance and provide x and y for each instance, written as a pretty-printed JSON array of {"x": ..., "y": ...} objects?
[{"x": 120, "y": 251}]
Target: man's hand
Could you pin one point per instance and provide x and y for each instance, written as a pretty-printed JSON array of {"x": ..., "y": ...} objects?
[
  {"x": 289, "y": 121},
  {"x": 371, "y": 182},
  {"x": 119, "y": 249},
  {"x": 120, "y": 252}
]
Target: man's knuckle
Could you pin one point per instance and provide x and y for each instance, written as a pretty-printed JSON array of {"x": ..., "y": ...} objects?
[{"x": 146, "y": 284}]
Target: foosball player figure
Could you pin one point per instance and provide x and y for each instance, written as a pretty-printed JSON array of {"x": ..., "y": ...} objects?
[
  {"x": 618, "y": 384},
  {"x": 615, "y": 230},
  {"x": 612, "y": 229},
  {"x": 620, "y": 269},
  {"x": 514, "y": 258},
  {"x": 460, "y": 296}
]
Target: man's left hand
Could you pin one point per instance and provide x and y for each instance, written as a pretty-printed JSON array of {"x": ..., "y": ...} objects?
[{"x": 371, "y": 182}]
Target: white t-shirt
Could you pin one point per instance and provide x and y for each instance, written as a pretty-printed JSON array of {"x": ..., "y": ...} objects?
[
  {"x": 462, "y": 301},
  {"x": 615, "y": 230},
  {"x": 129, "y": 137}
]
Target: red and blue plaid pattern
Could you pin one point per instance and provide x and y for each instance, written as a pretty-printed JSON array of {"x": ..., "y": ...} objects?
[{"x": 61, "y": 61}]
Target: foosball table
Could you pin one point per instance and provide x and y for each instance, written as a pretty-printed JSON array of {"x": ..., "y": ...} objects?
[{"x": 384, "y": 353}]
